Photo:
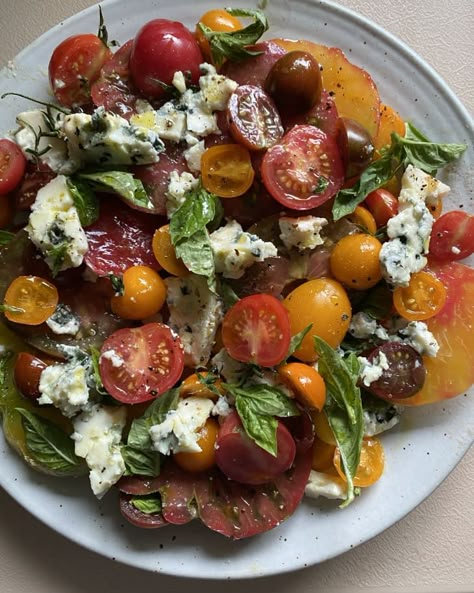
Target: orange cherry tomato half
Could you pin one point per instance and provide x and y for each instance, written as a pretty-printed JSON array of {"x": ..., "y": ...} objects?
[
  {"x": 322, "y": 429},
  {"x": 371, "y": 464},
  {"x": 423, "y": 298},
  {"x": 143, "y": 296},
  {"x": 217, "y": 20},
  {"x": 306, "y": 383},
  {"x": 363, "y": 218},
  {"x": 165, "y": 253},
  {"x": 227, "y": 170},
  {"x": 206, "y": 458},
  {"x": 30, "y": 300}
]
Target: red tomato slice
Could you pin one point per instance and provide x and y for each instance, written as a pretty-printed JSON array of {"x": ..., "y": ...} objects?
[
  {"x": 74, "y": 66},
  {"x": 12, "y": 166},
  {"x": 304, "y": 170},
  {"x": 153, "y": 361},
  {"x": 37, "y": 175},
  {"x": 257, "y": 329},
  {"x": 120, "y": 238},
  {"x": 452, "y": 236},
  {"x": 323, "y": 115},
  {"x": 139, "y": 518},
  {"x": 254, "y": 120},
  {"x": 254, "y": 70},
  {"x": 241, "y": 459}
]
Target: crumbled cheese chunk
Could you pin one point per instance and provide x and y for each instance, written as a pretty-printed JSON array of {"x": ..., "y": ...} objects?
[
  {"x": 97, "y": 435},
  {"x": 362, "y": 326},
  {"x": 170, "y": 122},
  {"x": 371, "y": 371},
  {"x": 236, "y": 250},
  {"x": 193, "y": 155},
  {"x": 378, "y": 421},
  {"x": 115, "y": 358},
  {"x": 200, "y": 119},
  {"x": 179, "y": 185},
  {"x": 320, "y": 484},
  {"x": 54, "y": 225},
  {"x": 221, "y": 407},
  {"x": 417, "y": 335},
  {"x": 63, "y": 321},
  {"x": 215, "y": 88},
  {"x": 179, "y": 431},
  {"x": 195, "y": 315},
  {"x": 179, "y": 82},
  {"x": 303, "y": 232}
]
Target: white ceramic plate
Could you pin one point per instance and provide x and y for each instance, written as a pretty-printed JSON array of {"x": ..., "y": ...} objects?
[{"x": 429, "y": 441}]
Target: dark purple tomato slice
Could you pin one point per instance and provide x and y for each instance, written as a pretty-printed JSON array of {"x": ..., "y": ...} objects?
[
  {"x": 37, "y": 175},
  {"x": 405, "y": 375},
  {"x": 323, "y": 116},
  {"x": 355, "y": 146},
  {"x": 304, "y": 170},
  {"x": 120, "y": 238},
  {"x": 254, "y": 120},
  {"x": 254, "y": 70},
  {"x": 269, "y": 276},
  {"x": 139, "y": 518}
]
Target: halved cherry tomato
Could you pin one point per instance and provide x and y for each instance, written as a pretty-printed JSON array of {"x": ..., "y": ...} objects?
[
  {"x": 382, "y": 204},
  {"x": 355, "y": 261},
  {"x": 75, "y": 64},
  {"x": 165, "y": 253},
  {"x": 304, "y": 170},
  {"x": 193, "y": 386},
  {"x": 323, "y": 456},
  {"x": 206, "y": 458},
  {"x": 12, "y": 166},
  {"x": 306, "y": 383},
  {"x": 143, "y": 296},
  {"x": 217, "y": 20},
  {"x": 363, "y": 218},
  {"x": 452, "y": 236},
  {"x": 323, "y": 430},
  {"x": 30, "y": 300},
  {"x": 423, "y": 298},
  {"x": 227, "y": 170},
  {"x": 253, "y": 118},
  {"x": 371, "y": 464},
  {"x": 153, "y": 361},
  {"x": 390, "y": 121},
  {"x": 355, "y": 146},
  {"x": 27, "y": 373},
  {"x": 257, "y": 329}
]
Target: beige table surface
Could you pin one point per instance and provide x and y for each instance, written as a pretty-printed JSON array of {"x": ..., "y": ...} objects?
[{"x": 430, "y": 550}]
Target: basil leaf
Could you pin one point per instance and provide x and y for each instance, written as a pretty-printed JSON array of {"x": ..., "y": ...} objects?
[
  {"x": 261, "y": 429},
  {"x": 233, "y": 45},
  {"x": 85, "y": 201},
  {"x": 49, "y": 445},
  {"x": 227, "y": 293},
  {"x": 99, "y": 386},
  {"x": 378, "y": 302},
  {"x": 122, "y": 183},
  {"x": 58, "y": 254},
  {"x": 197, "y": 255},
  {"x": 5, "y": 367},
  {"x": 141, "y": 463},
  {"x": 149, "y": 504},
  {"x": 297, "y": 340},
  {"x": 117, "y": 284},
  {"x": 5, "y": 237},
  {"x": 194, "y": 214}
]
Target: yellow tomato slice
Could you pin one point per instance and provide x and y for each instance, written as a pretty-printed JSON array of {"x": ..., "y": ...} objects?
[
  {"x": 30, "y": 300},
  {"x": 227, "y": 170},
  {"x": 165, "y": 253},
  {"x": 371, "y": 464},
  {"x": 423, "y": 298}
]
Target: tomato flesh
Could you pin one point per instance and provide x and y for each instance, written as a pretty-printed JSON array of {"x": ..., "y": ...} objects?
[
  {"x": 304, "y": 170},
  {"x": 227, "y": 170},
  {"x": 452, "y": 236},
  {"x": 382, "y": 204},
  {"x": 257, "y": 329},
  {"x": 12, "y": 166},
  {"x": 151, "y": 360}
]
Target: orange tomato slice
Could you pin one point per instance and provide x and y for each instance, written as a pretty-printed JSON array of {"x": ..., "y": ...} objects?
[
  {"x": 165, "y": 253},
  {"x": 30, "y": 300},
  {"x": 423, "y": 298},
  {"x": 371, "y": 464},
  {"x": 227, "y": 170}
]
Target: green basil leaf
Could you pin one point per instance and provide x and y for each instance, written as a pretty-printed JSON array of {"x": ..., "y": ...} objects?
[
  {"x": 227, "y": 293},
  {"x": 5, "y": 237},
  {"x": 49, "y": 445},
  {"x": 141, "y": 463},
  {"x": 194, "y": 214},
  {"x": 266, "y": 400},
  {"x": 95, "y": 356},
  {"x": 85, "y": 201},
  {"x": 122, "y": 183},
  {"x": 197, "y": 255},
  {"x": 260, "y": 428},
  {"x": 117, "y": 284},
  {"x": 5, "y": 365},
  {"x": 57, "y": 255},
  {"x": 297, "y": 340},
  {"x": 378, "y": 302},
  {"x": 233, "y": 45},
  {"x": 149, "y": 503}
]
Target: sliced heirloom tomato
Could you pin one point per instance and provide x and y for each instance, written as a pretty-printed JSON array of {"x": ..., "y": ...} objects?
[
  {"x": 37, "y": 175},
  {"x": 227, "y": 170},
  {"x": 254, "y": 70},
  {"x": 12, "y": 166},
  {"x": 323, "y": 115},
  {"x": 452, "y": 236},
  {"x": 257, "y": 329},
  {"x": 304, "y": 170},
  {"x": 153, "y": 361}
]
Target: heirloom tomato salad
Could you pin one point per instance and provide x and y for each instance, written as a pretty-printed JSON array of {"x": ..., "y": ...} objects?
[{"x": 225, "y": 270}]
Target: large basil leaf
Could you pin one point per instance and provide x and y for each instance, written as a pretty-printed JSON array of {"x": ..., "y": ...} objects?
[
  {"x": 141, "y": 463},
  {"x": 122, "y": 183},
  {"x": 297, "y": 340},
  {"x": 85, "y": 201}
]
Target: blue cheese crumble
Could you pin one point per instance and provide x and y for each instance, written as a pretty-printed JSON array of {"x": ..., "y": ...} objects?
[
  {"x": 63, "y": 321},
  {"x": 371, "y": 371},
  {"x": 303, "y": 232}
]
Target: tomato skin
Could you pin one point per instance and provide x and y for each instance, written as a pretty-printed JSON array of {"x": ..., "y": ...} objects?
[
  {"x": 27, "y": 373},
  {"x": 165, "y": 253},
  {"x": 371, "y": 464},
  {"x": 206, "y": 458},
  {"x": 257, "y": 329},
  {"x": 12, "y": 166},
  {"x": 363, "y": 218},
  {"x": 144, "y": 294},
  {"x": 227, "y": 170},
  {"x": 153, "y": 361},
  {"x": 452, "y": 236},
  {"x": 36, "y": 176},
  {"x": 293, "y": 169},
  {"x": 74, "y": 65},
  {"x": 382, "y": 204},
  {"x": 308, "y": 385},
  {"x": 34, "y": 296},
  {"x": 217, "y": 20},
  {"x": 423, "y": 298},
  {"x": 160, "y": 48},
  {"x": 355, "y": 261}
]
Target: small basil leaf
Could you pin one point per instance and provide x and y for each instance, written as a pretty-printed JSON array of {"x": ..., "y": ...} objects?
[
  {"x": 85, "y": 201},
  {"x": 227, "y": 294},
  {"x": 197, "y": 255},
  {"x": 261, "y": 429},
  {"x": 297, "y": 340},
  {"x": 194, "y": 214},
  {"x": 122, "y": 183},
  {"x": 140, "y": 463},
  {"x": 149, "y": 504},
  {"x": 5, "y": 237}
]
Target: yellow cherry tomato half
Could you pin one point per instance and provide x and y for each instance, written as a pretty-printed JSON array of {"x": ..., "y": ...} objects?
[
  {"x": 143, "y": 296},
  {"x": 371, "y": 464},
  {"x": 322, "y": 429},
  {"x": 194, "y": 386},
  {"x": 423, "y": 298},
  {"x": 206, "y": 458},
  {"x": 355, "y": 261},
  {"x": 306, "y": 383},
  {"x": 324, "y": 304},
  {"x": 217, "y": 20},
  {"x": 165, "y": 253},
  {"x": 322, "y": 456},
  {"x": 227, "y": 170},
  {"x": 30, "y": 300},
  {"x": 362, "y": 217}
]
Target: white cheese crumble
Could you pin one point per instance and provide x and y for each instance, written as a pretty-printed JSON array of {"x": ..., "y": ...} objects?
[
  {"x": 363, "y": 326},
  {"x": 194, "y": 154},
  {"x": 195, "y": 315},
  {"x": 63, "y": 321},
  {"x": 376, "y": 422},
  {"x": 221, "y": 407},
  {"x": 303, "y": 232},
  {"x": 97, "y": 435},
  {"x": 179, "y": 82},
  {"x": 179, "y": 185},
  {"x": 54, "y": 225},
  {"x": 179, "y": 431},
  {"x": 215, "y": 88},
  {"x": 417, "y": 335},
  {"x": 115, "y": 358},
  {"x": 371, "y": 371},
  {"x": 321, "y": 484},
  {"x": 236, "y": 250}
]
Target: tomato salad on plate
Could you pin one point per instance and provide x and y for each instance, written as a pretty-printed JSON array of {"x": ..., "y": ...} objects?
[{"x": 226, "y": 269}]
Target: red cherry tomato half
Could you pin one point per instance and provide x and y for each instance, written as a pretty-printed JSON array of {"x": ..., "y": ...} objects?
[
  {"x": 242, "y": 460},
  {"x": 12, "y": 166},
  {"x": 452, "y": 236},
  {"x": 160, "y": 49},
  {"x": 304, "y": 170},
  {"x": 143, "y": 362},
  {"x": 382, "y": 205},
  {"x": 257, "y": 329},
  {"x": 75, "y": 64}
]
